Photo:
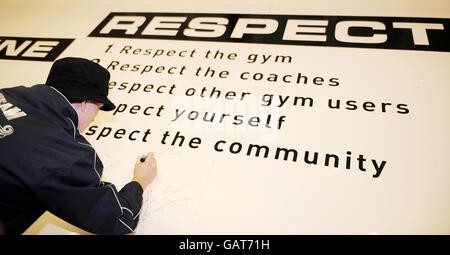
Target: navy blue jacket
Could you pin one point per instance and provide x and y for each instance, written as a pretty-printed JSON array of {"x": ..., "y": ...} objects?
[{"x": 46, "y": 164}]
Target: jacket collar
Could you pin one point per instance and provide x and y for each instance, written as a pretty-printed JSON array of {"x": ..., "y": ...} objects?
[{"x": 67, "y": 109}]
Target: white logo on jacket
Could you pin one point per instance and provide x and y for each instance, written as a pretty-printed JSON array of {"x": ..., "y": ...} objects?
[
  {"x": 6, "y": 130},
  {"x": 9, "y": 110}
]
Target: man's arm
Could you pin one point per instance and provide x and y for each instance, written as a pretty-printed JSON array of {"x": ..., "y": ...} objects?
[
  {"x": 75, "y": 196},
  {"x": 99, "y": 210}
]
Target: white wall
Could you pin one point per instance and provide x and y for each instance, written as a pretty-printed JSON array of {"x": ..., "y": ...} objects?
[{"x": 202, "y": 191}]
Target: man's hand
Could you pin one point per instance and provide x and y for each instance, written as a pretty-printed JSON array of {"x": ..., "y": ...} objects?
[{"x": 145, "y": 172}]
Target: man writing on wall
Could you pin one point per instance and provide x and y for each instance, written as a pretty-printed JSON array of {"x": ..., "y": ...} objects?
[{"x": 47, "y": 164}]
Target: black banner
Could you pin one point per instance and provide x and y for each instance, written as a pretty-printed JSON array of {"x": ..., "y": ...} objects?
[
  {"x": 28, "y": 48},
  {"x": 427, "y": 34},
  {"x": 229, "y": 245}
]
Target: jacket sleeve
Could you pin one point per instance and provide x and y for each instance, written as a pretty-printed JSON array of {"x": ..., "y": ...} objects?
[
  {"x": 75, "y": 193},
  {"x": 99, "y": 210}
]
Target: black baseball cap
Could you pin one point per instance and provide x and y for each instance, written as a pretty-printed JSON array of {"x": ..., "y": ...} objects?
[{"x": 80, "y": 79}]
